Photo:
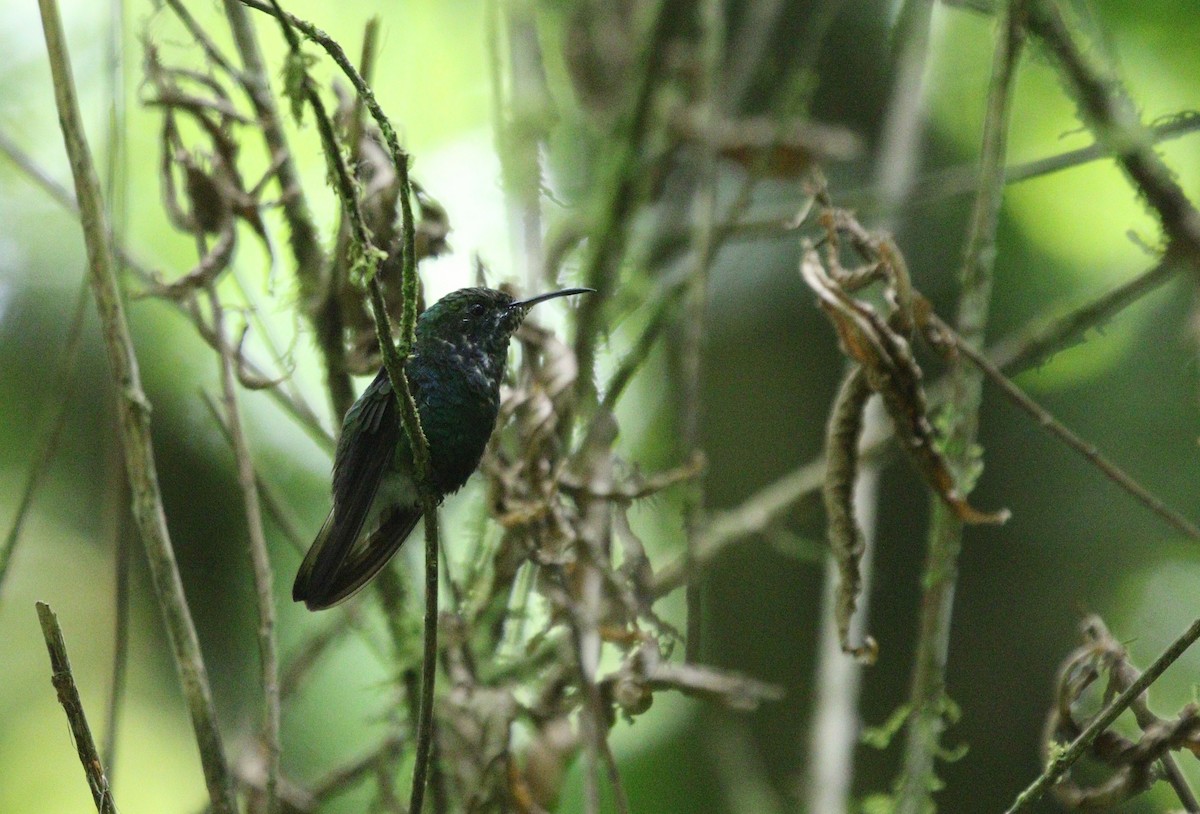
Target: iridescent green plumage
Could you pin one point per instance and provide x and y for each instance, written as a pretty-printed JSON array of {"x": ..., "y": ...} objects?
[{"x": 454, "y": 371}]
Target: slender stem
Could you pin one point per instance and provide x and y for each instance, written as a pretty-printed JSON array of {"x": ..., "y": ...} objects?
[
  {"x": 752, "y": 516},
  {"x": 1064, "y": 434},
  {"x": 344, "y": 777},
  {"x": 394, "y": 361},
  {"x": 62, "y": 388},
  {"x": 1030, "y": 346},
  {"x": 68, "y": 696},
  {"x": 428, "y": 663},
  {"x": 1067, "y": 757},
  {"x": 704, "y": 246},
  {"x": 927, "y": 699},
  {"x": 134, "y": 424},
  {"x": 268, "y": 649}
]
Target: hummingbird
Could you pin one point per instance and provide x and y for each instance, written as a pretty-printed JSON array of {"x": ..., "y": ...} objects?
[{"x": 454, "y": 372}]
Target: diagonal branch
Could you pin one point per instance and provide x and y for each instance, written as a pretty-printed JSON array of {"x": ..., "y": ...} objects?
[
  {"x": 68, "y": 696},
  {"x": 1067, "y": 758},
  {"x": 1064, "y": 434}
]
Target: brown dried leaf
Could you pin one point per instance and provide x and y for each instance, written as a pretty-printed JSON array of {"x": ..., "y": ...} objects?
[
  {"x": 891, "y": 371},
  {"x": 845, "y": 537}
]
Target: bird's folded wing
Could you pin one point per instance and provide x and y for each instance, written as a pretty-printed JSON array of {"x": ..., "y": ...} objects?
[{"x": 364, "y": 455}]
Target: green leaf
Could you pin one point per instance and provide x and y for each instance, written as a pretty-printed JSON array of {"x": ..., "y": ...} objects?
[{"x": 880, "y": 737}]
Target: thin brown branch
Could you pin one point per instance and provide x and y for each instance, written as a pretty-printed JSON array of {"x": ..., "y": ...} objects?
[
  {"x": 1053, "y": 426},
  {"x": 268, "y": 649},
  {"x": 134, "y": 414},
  {"x": 753, "y": 515},
  {"x": 1030, "y": 346},
  {"x": 342, "y": 779},
  {"x": 68, "y": 696}
]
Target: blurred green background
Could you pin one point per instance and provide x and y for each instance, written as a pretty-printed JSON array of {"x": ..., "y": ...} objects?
[{"x": 1075, "y": 542}]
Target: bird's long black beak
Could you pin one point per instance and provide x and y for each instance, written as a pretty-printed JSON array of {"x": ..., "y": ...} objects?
[{"x": 525, "y": 305}]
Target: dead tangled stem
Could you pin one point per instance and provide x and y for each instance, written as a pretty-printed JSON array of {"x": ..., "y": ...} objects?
[{"x": 1133, "y": 765}]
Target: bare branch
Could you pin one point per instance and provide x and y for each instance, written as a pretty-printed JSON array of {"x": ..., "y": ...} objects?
[{"x": 68, "y": 696}]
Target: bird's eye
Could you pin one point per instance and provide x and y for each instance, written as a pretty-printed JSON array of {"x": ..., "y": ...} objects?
[{"x": 477, "y": 310}]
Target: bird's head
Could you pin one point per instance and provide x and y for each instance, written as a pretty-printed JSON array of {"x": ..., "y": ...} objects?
[{"x": 480, "y": 317}]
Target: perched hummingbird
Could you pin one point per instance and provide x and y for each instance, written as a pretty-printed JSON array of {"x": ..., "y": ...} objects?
[{"x": 454, "y": 371}]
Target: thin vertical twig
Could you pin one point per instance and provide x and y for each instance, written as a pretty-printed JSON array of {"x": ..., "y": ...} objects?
[
  {"x": 394, "y": 357},
  {"x": 695, "y": 305},
  {"x": 62, "y": 388},
  {"x": 1089, "y": 451},
  {"x": 134, "y": 413},
  {"x": 836, "y": 719},
  {"x": 268, "y": 649},
  {"x": 68, "y": 696},
  {"x": 928, "y": 694}
]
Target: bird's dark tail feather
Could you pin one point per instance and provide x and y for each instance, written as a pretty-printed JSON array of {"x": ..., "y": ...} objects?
[{"x": 322, "y": 584}]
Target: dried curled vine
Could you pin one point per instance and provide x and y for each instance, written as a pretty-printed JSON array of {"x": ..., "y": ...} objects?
[{"x": 1132, "y": 765}]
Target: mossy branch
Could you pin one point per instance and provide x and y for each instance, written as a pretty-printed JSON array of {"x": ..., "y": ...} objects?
[
  {"x": 1065, "y": 759},
  {"x": 940, "y": 574},
  {"x": 394, "y": 358}
]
